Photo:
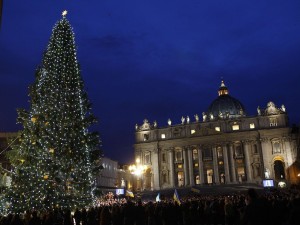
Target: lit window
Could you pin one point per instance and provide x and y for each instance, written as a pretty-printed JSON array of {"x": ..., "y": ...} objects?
[
  {"x": 252, "y": 126},
  {"x": 179, "y": 166},
  {"x": 235, "y": 127},
  {"x": 163, "y": 136},
  {"x": 217, "y": 128},
  {"x": 197, "y": 179},
  {"x": 193, "y": 131},
  {"x": 196, "y": 165},
  {"x": 221, "y": 163}
]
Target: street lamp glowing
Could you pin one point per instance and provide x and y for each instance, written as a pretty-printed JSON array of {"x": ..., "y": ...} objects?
[{"x": 138, "y": 170}]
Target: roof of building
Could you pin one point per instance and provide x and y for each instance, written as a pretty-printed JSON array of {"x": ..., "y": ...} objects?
[{"x": 225, "y": 106}]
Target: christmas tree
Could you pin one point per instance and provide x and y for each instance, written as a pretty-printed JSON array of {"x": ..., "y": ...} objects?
[{"x": 56, "y": 158}]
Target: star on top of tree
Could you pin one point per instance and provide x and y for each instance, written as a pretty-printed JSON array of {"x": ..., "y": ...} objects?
[{"x": 64, "y": 13}]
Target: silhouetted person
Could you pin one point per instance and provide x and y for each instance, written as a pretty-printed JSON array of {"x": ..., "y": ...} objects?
[
  {"x": 84, "y": 216},
  {"x": 105, "y": 218},
  {"x": 35, "y": 220},
  {"x": 77, "y": 216},
  {"x": 16, "y": 220},
  {"x": 256, "y": 210}
]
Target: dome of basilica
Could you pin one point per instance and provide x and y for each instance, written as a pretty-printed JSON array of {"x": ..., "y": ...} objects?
[{"x": 225, "y": 106}]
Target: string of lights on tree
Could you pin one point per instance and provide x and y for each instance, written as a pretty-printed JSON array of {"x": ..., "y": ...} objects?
[{"x": 56, "y": 158}]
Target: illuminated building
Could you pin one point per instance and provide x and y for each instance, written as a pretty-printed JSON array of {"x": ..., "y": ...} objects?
[{"x": 224, "y": 145}]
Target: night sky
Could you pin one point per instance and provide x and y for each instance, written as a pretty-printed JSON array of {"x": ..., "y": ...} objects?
[{"x": 157, "y": 59}]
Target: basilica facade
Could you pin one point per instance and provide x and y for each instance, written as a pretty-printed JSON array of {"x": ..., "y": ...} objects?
[{"x": 223, "y": 145}]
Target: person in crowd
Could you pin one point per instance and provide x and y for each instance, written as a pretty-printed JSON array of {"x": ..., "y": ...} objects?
[
  {"x": 77, "y": 216},
  {"x": 105, "y": 217},
  {"x": 257, "y": 210},
  {"x": 35, "y": 220},
  {"x": 16, "y": 220}
]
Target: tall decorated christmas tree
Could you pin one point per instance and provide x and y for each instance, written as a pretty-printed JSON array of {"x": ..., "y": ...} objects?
[{"x": 56, "y": 158}]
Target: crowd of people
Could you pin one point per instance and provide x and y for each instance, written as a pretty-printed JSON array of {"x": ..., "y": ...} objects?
[{"x": 277, "y": 207}]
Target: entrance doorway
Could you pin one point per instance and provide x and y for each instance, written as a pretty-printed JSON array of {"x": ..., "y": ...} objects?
[{"x": 279, "y": 170}]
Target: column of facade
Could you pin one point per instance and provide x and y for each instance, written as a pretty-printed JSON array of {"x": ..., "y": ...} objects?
[
  {"x": 215, "y": 164},
  {"x": 247, "y": 161},
  {"x": 155, "y": 169},
  {"x": 226, "y": 164},
  {"x": 185, "y": 167},
  {"x": 232, "y": 163},
  {"x": 152, "y": 181},
  {"x": 290, "y": 155},
  {"x": 261, "y": 161},
  {"x": 201, "y": 169},
  {"x": 172, "y": 170},
  {"x": 191, "y": 166},
  {"x": 266, "y": 149}
]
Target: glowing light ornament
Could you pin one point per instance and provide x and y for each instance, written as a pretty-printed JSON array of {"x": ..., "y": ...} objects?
[
  {"x": 51, "y": 150},
  {"x": 33, "y": 119},
  {"x": 46, "y": 176}
]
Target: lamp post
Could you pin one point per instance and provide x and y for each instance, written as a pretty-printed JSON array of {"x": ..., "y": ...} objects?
[{"x": 138, "y": 170}]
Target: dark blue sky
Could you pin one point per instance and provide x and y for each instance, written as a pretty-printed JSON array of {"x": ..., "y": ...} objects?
[{"x": 157, "y": 59}]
